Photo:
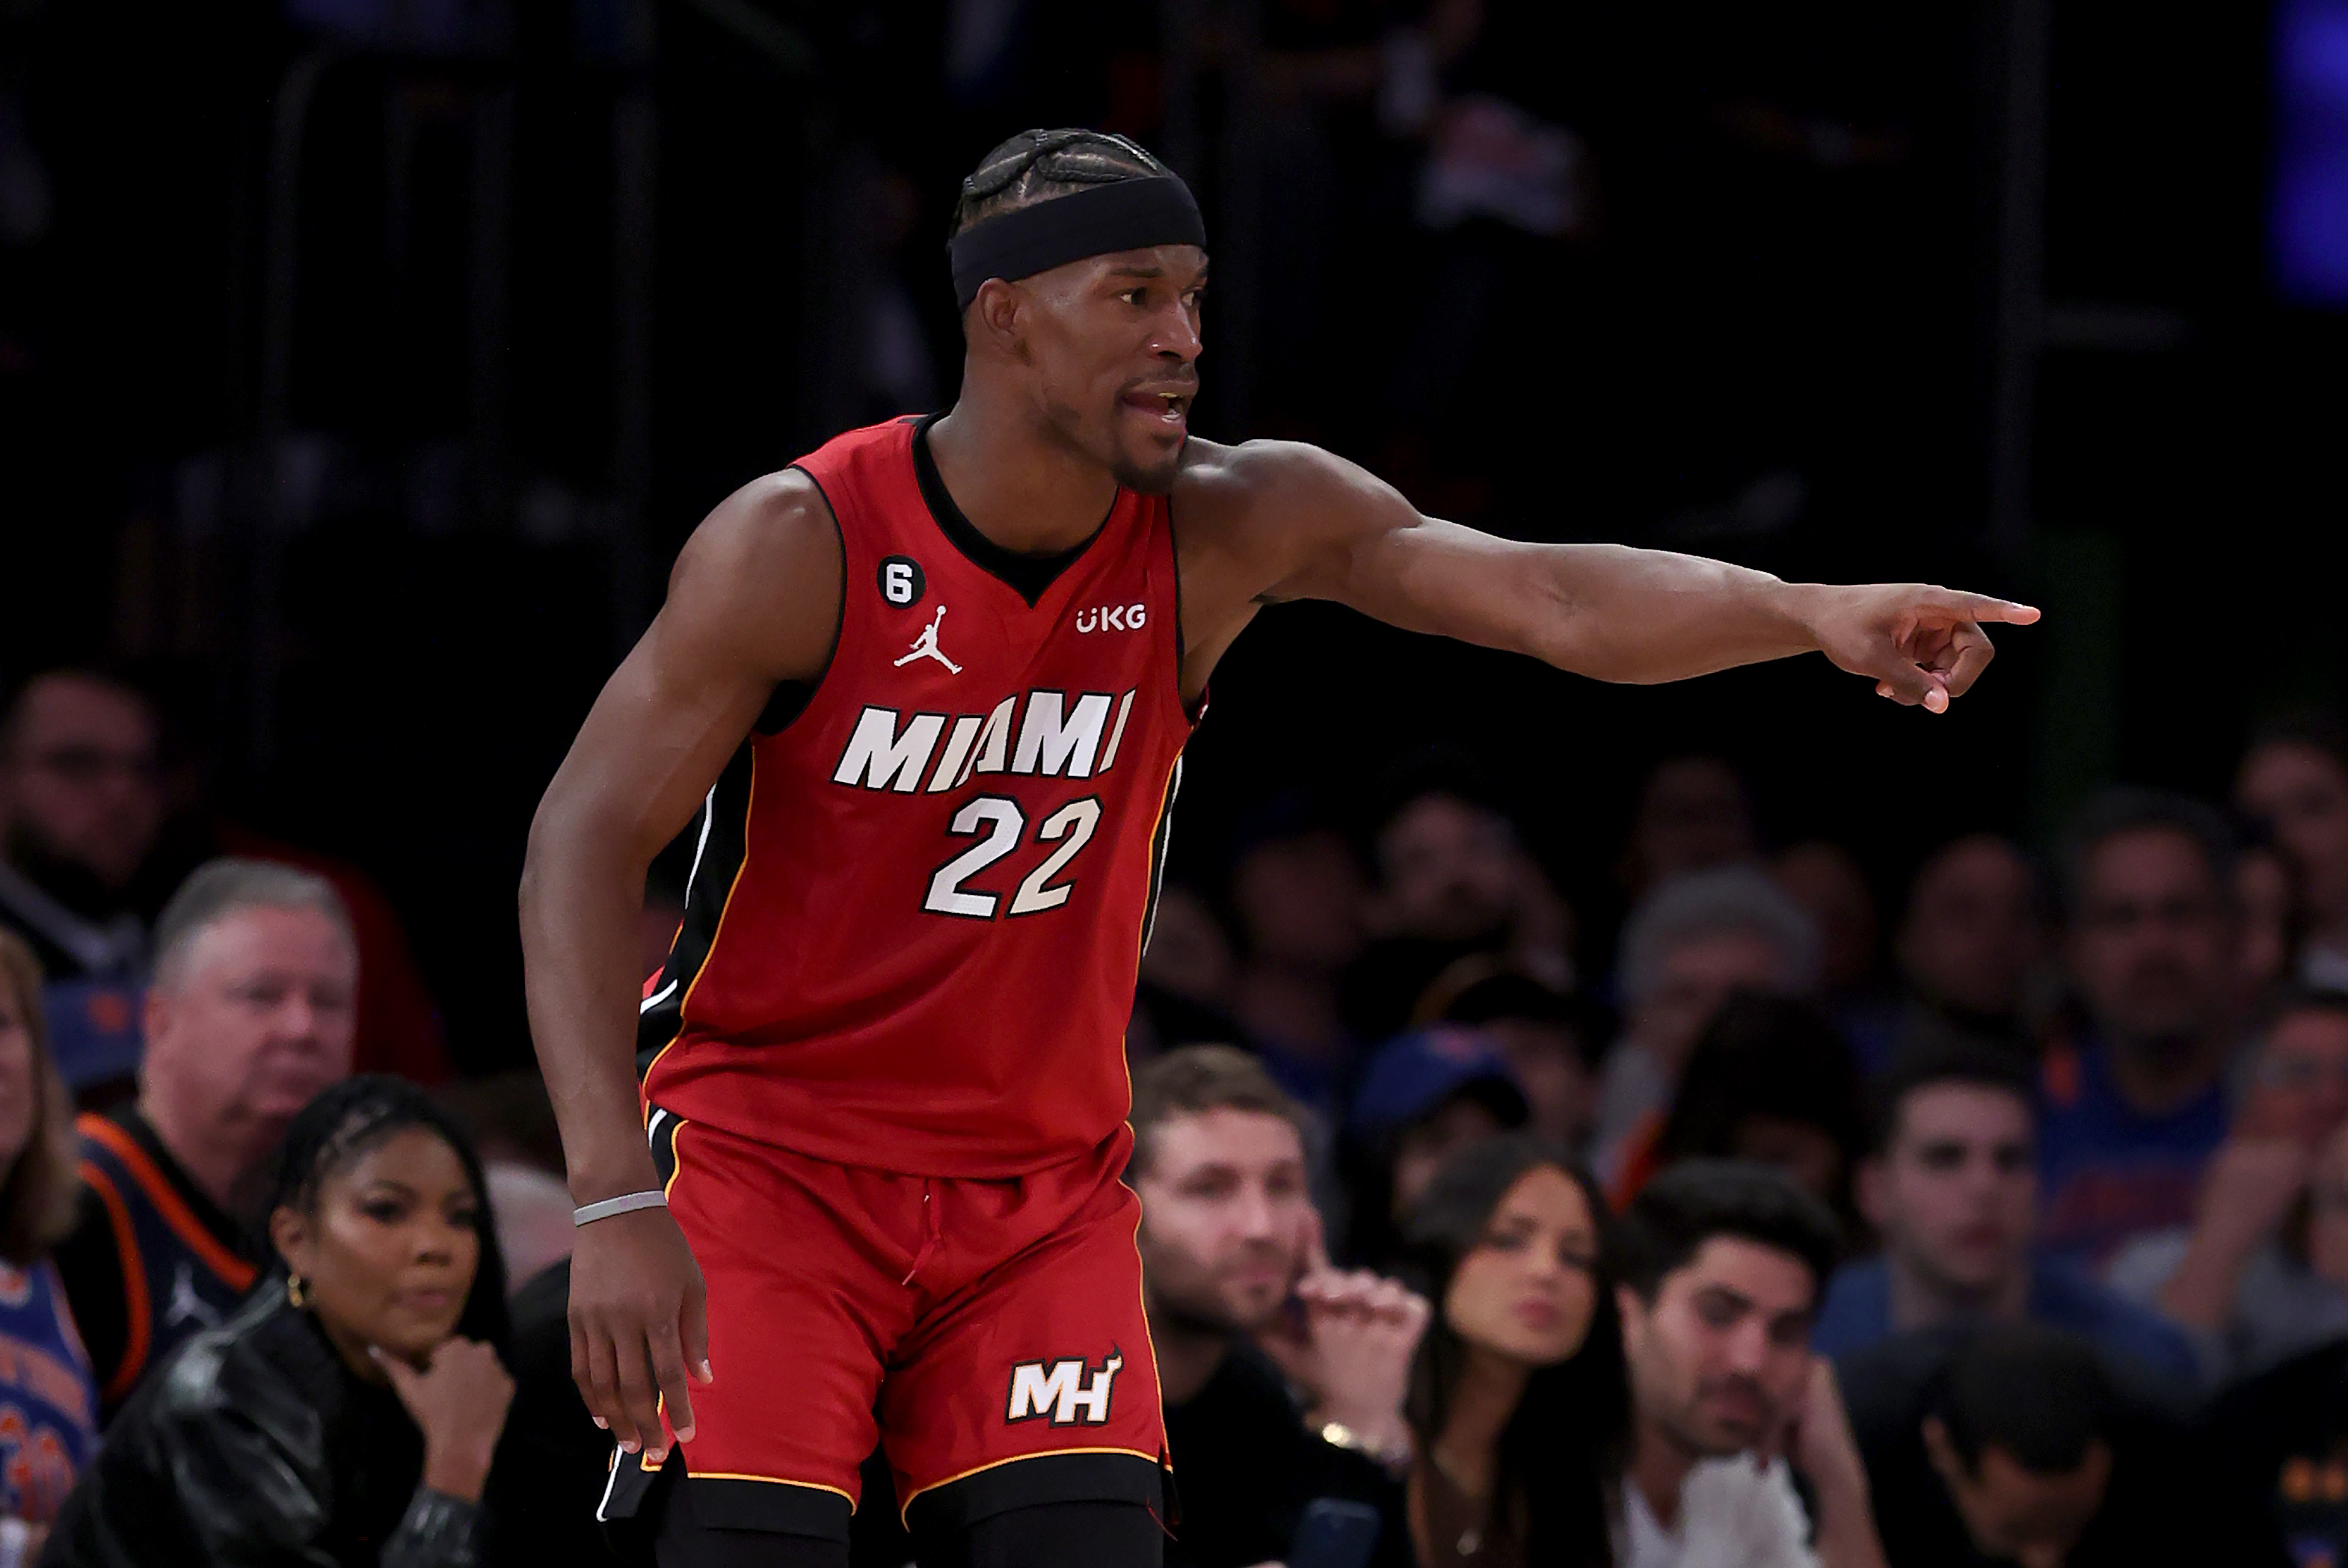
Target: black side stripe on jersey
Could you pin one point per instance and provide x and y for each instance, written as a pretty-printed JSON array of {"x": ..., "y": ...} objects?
[
  {"x": 1157, "y": 842},
  {"x": 722, "y": 836}
]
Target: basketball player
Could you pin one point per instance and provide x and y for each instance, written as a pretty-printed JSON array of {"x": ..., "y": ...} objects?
[{"x": 867, "y": 1186}]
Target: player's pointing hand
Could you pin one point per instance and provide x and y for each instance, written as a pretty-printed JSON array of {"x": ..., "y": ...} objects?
[{"x": 1922, "y": 646}]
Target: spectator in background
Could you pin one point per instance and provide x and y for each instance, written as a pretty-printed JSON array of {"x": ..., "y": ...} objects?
[
  {"x": 1551, "y": 1039},
  {"x": 1299, "y": 902},
  {"x": 511, "y": 1122},
  {"x": 1952, "y": 1188},
  {"x": 2015, "y": 1444},
  {"x": 45, "y": 1377},
  {"x": 1969, "y": 944},
  {"x": 1184, "y": 988},
  {"x": 1827, "y": 882},
  {"x": 2266, "y": 891},
  {"x": 1229, "y": 1252},
  {"x": 1723, "y": 1263},
  {"x": 1771, "y": 1081},
  {"x": 348, "y": 1412},
  {"x": 1693, "y": 815},
  {"x": 1423, "y": 1096},
  {"x": 2239, "y": 1278},
  {"x": 80, "y": 806},
  {"x": 1689, "y": 946},
  {"x": 2278, "y": 1441},
  {"x": 1520, "y": 1399},
  {"x": 2136, "y": 1108},
  {"x": 2294, "y": 778},
  {"x": 250, "y": 1016},
  {"x": 1452, "y": 878}
]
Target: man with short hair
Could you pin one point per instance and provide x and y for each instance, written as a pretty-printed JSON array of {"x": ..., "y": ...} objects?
[
  {"x": 250, "y": 1016},
  {"x": 1228, "y": 1242},
  {"x": 2134, "y": 1110},
  {"x": 2294, "y": 778},
  {"x": 1968, "y": 941},
  {"x": 80, "y": 810},
  {"x": 2013, "y": 1445},
  {"x": 1722, "y": 1262},
  {"x": 1952, "y": 1187},
  {"x": 1689, "y": 946}
]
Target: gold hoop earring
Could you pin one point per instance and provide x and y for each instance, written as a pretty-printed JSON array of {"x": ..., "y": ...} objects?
[{"x": 297, "y": 1294}]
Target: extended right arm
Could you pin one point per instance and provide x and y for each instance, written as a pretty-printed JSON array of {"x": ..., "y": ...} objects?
[{"x": 754, "y": 601}]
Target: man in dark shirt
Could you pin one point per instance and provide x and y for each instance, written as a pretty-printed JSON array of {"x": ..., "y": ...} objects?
[
  {"x": 80, "y": 806},
  {"x": 2014, "y": 1443},
  {"x": 250, "y": 1016},
  {"x": 1244, "y": 1310}
]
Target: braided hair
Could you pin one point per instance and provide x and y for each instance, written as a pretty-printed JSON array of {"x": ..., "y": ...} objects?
[
  {"x": 1037, "y": 165},
  {"x": 345, "y": 1122}
]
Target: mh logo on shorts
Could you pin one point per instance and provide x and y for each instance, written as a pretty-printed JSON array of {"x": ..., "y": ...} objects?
[{"x": 1060, "y": 1390}]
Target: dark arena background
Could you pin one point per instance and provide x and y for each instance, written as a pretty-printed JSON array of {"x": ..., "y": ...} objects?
[{"x": 362, "y": 365}]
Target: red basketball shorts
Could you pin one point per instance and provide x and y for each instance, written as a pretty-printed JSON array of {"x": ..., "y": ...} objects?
[{"x": 988, "y": 1335}]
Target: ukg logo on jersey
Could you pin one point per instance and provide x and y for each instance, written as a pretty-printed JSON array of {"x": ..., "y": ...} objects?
[{"x": 1113, "y": 618}]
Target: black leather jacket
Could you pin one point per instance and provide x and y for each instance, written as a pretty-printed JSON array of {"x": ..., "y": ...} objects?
[{"x": 255, "y": 1446}]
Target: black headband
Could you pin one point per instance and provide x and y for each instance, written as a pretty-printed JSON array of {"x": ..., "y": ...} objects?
[{"x": 1125, "y": 215}]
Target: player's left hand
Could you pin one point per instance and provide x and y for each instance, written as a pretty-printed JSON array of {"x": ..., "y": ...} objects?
[{"x": 1923, "y": 646}]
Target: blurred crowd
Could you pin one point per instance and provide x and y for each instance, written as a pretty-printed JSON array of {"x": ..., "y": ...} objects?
[{"x": 2007, "y": 1223}]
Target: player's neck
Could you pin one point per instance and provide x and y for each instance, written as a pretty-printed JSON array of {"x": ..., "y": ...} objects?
[{"x": 1017, "y": 485}]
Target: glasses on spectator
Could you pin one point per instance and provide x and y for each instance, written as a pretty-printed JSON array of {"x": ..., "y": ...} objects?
[
  {"x": 86, "y": 765},
  {"x": 2300, "y": 1072}
]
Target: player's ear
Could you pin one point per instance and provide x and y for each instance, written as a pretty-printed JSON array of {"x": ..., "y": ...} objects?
[{"x": 995, "y": 312}]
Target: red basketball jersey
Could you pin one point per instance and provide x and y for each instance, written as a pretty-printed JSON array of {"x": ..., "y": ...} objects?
[{"x": 917, "y": 907}]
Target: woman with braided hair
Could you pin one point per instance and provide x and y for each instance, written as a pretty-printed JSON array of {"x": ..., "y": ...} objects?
[{"x": 346, "y": 1415}]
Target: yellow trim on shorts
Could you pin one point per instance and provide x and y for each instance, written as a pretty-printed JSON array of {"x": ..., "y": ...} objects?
[
  {"x": 771, "y": 1481},
  {"x": 907, "y": 1505}
]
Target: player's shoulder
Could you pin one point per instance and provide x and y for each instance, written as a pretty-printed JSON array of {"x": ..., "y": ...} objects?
[
  {"x": 777, "y": 525},
  {"x": 1294, "y": 482}
]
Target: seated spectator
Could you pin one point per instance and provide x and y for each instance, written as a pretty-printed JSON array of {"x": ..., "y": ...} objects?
[
  {"x": 1299, "y": 902},
  {"x": 1693, "y": 815},
  {"x": 511, "y": 1120},
  {"x": 1423, "y": 1096},
  {"x": 2294, "y": 779},
  {"x": 1770, "y": 1080},
  {"x": 1829, "y": 886},
  {"x": 348, "y": 1411},
  {"x": 1230, "y": 1254},
  {"x": 2134, "y": 1108},
  {"x": 1952, "y": 1188},
  {"x": 2274, "y": 918},
  {"x": 1723, "y": 1263},
  {"x": 1183, "y": 992},
  {"x": 2240, "y": 1277},
  {"x": 250, "y": 1016},
  {"x": 2016, "y": 1444},
  {"x": 1452, "y": 878},
  {"x": 2277, "y": 1441},
  {"x": 1969, "y": 946},
  {"x": 44, "y": 1378},
  {"x": 80, "y": 805},
  {"x": 1689, "y": 946},
  {"x": 1549, "y": 1039},
  {"x": 1520, "y": 1399}
]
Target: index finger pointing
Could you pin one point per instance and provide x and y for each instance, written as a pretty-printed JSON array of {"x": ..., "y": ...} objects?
[{"x": 2003, "y": 611}]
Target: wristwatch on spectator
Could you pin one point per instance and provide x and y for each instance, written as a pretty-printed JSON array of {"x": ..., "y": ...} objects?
[{"x": 1393, "y": 1458}]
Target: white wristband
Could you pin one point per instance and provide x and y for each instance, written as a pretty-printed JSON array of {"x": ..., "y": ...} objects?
[{"x": 625, "y": 1203}]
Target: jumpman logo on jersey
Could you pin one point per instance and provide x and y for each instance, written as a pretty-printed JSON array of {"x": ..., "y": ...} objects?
[
  {"x": 187, "y": 1306},
  {"x": 925, "y": 647}
]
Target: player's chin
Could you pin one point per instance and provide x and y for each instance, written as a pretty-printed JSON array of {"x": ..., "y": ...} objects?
[{"x": 1149, "y": 459}]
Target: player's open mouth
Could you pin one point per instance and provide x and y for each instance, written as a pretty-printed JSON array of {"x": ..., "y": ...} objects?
[{"x": 1169, "y": 408}]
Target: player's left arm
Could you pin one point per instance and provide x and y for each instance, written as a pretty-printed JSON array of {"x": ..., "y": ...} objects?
[{"x": 1305, "y": 524}]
